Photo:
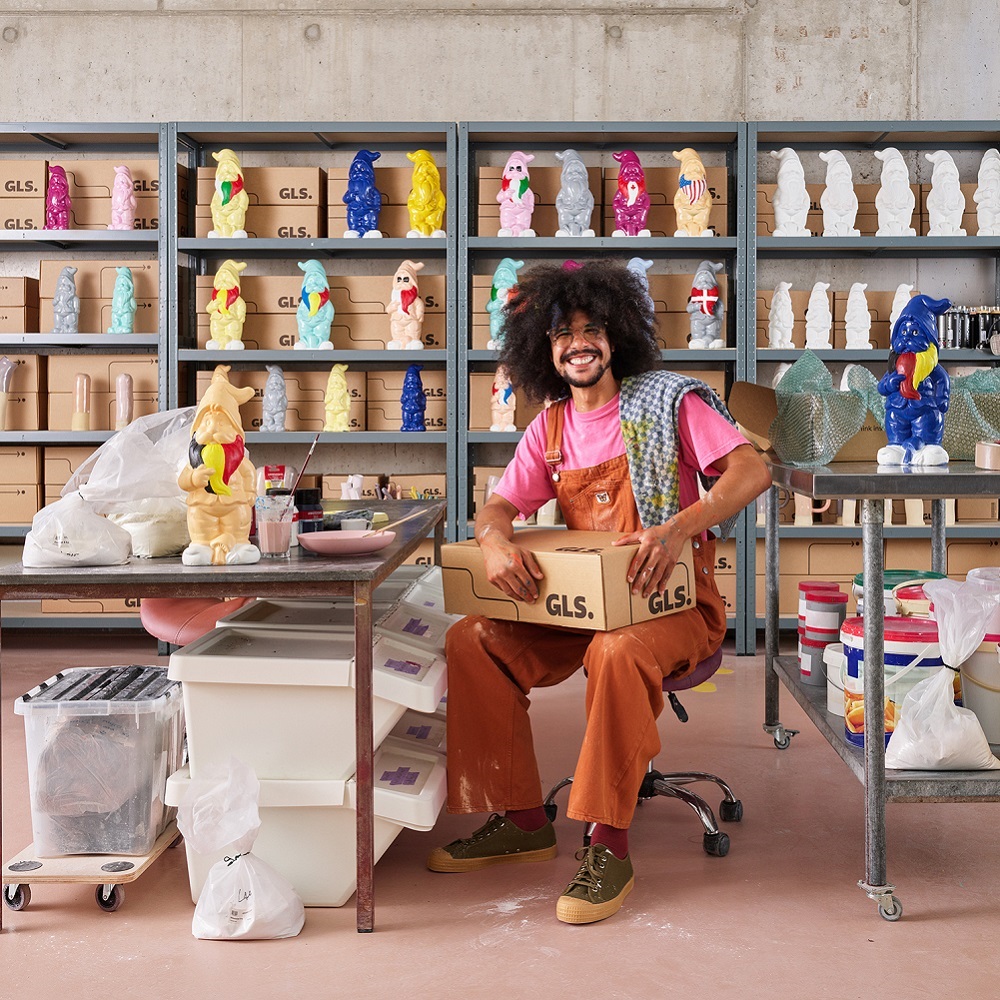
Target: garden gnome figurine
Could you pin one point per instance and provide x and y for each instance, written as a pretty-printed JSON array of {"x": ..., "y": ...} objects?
[
  {"x": 899, "y": 301},
  {"x": 894, "y": 201},
  {"x": 858, "y": 320},
  {"x": 819, "y": 319},
  {"x": 406, "y": 309},
  {"x": 706, "y": 308},
  {"x": 413, "y": 402},
  {"x": 314, "y": 315},
  {"x": 838, "y": 200},
  {"x": 504, "y": 283},
  {"x": 502, "y": 402},
  {"x": 639, "y": 266},
  {"x": 426, "y": 201},
  {"x": 517, "y": 200},
  {"x": 337, "y": 401},
  {"x": 57, "y": 200},
  {"x": 230, "y": 201},
  {"x": 219, "y": 479},
  {"x": 66, "y": 303},
  {"x": 226, "y": 309},
  {"x": 123, "y": 302},
  {"x": 945, "y": 202},
  {"x": 693, "y": 200},
  {"x": 350, "y": 489},
  {"x": 631, "y": 202},
  {"x": 362, "y": 198},
  {"x": 122, "y": 200},
  {"x": 7, "y": 369},
  {"x": 791, "y": 200},
  {"x": 124, "y": 400},
  {"x": 987, "y": 194},
  {"x": 916, "y": 388},
  {"x": 275, "y": 402},
  {"x": 575, "y": 200},
  {"x": 780, "y": 317}
]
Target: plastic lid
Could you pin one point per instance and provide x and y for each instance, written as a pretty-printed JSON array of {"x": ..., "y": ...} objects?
[
  {"x": 910, "y": 592},
  {"x": 991, "y": 637},
  {"x": 805, "y": 585},
  {"x": 278, "y": 491},
  {"x": 827, "y": 596},
  {"x": 897, "y": 629},
  {"x": 894, "y": 577},
  {"x": 984, "y": 573}
]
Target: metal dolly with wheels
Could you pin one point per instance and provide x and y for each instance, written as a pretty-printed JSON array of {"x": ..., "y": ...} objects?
[{"x": 109, "y": 872}]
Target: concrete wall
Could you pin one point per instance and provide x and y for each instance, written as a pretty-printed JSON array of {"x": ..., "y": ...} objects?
[{"x": 592, "y": 59}]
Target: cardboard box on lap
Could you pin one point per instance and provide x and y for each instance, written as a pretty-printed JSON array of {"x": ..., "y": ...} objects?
[{"x": 584, "y": 583}]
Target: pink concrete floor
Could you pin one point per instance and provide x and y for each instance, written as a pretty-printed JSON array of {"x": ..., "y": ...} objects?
[{"x": 780, "y": 916}]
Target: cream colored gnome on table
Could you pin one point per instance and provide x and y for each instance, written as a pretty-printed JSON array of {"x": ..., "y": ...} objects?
[{"x": 406, "y": 309}]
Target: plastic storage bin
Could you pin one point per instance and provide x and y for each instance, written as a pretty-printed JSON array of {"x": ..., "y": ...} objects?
[
  {"x": 283, "y": 701},
  {"x": 428, "y": 732},
  {"x": 308, "y": 828},
  {"x": 101, "y": 743},
  {"x": 428, "y": 591},
  {"x": 312, "y": 615},
  {"x": 419, "y": 626}
]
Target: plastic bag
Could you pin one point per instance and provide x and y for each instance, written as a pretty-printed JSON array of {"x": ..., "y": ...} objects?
[
  {"x": 69, "y": 533},
  {"x": 157, "y": 526},
  {"x": 244, "y": 898},
  {"x": 933, "y": 733}
]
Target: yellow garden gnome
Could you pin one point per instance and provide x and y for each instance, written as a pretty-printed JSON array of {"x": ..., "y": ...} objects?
[
  {"x": 230, "y": 201},
  {"x": 426, "y": 199},
  {"x": 693, "y": 201},
  {"x": 219, "y": 479},
  {"x": 226, "y": 309}
]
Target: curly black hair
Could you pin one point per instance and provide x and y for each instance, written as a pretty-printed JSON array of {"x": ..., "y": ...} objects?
[{"x": 606, "y": 291}]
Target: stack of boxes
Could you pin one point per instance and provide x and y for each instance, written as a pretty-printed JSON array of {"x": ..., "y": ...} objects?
[
  {"x": 90, "y": 187},
  {"x": 20, "y": 486},
  {"x": 18, "y": 304},
  {"x": 295, "y": 726},
  {"x": 22, "y": 194},
  {"x": 385, "y": 389}
]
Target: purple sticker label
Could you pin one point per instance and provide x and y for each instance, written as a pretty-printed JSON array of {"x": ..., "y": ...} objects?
[
  {"x": 401, "y": 776},
  {"x": 428, "y": 604},
  {"x": 418, "y": 732},
  {"x": 415, "y": 627},
  {"x": 403, "y": 666}
]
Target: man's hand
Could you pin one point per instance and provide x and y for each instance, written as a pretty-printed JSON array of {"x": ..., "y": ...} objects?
[
  {"x": 510, "y": 567},
  {"x": 659, "y": 548}
]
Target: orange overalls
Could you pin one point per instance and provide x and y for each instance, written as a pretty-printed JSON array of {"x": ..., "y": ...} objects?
[{"x": 492, "y": 665}]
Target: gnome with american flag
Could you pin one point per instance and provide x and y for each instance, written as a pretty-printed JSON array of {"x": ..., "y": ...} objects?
[{"x": 693, "y": 201}]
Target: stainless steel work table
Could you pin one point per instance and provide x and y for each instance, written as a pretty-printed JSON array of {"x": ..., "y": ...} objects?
[
  {"x": 300, "y": 576},
  {"x": 870, "y": 484}
]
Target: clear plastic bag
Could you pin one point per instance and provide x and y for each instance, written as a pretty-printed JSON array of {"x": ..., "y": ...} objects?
[
  {"x": 244, "y": 898},
  {"x": 70, "y": 533},
  {"x": 933, "y": 733}
]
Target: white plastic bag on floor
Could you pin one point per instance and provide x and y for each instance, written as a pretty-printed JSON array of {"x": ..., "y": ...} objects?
[
  {"x": 244, "y": 898},
  {"x": 933, "y": 733}
]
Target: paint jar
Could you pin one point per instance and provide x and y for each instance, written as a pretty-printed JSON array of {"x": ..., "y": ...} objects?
[
  {"x": 308, "y": 511},
  {"x": 911, "y": 654},
  {"x": 911, "y": 601},
  {"x": 981, "y": 686},
  {"x": 892, "y": 578},
  {"x": 825, "y": 612},
  {"x": 804, "y": 587},
  {"x": 833, "y": 657}
]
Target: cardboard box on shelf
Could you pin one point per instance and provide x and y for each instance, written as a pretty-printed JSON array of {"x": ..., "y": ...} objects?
[
  {"x": 19, "y": 502},
  {"x": 906, "y": 553},
  {"x": 726, "y": 585},
  {"x": 661, "y": 186},
  {"x": 23, "y": 179},
  {"x": 103, "y": 409},
  {"x": 272, "y": 221},
  {"x": 21, "y": 463},
  {"x": 271, "y": 185},
  {"x": 95, "y": 279},
  {"x": 24, "y": 411},
  {"x": 386, "y": 415},
  {"x": 977, "y": 509},
  {"x": 480, "y": 414},
  {"x": 22, "y": 213},
  {"x": 95, "y": 315},
  {"x": 29, "y": 376},
  {"x": 18, "y": 291},
  {"x": 964, "y": 554},
  {"x": 96, "y": 178},
  {"x": 89, "y": 606},
  {"x": 714, "y": 378},
  {"x": 423, "y": 555},
  {"x": 95, "y": 213},
  {"x": 480, "y": 476},
  {"x": 584, "y": 584},
  {"x": 103, "y": 370},
  {"x": 19, "y": 319},
  {"x": 815, "y": 558},
  {"x": 431, "y": 484},
  {"x": 59, "y": 463},
  {"x": 387, "y": 386}
]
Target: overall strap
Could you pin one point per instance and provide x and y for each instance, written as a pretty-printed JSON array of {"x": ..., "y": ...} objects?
[{"x": 554, "y": 432}]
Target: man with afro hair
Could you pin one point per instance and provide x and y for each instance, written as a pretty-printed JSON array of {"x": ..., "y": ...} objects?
[{"x": 621, "y": 446}]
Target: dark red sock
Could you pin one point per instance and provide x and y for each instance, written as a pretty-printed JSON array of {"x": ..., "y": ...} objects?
[
  {"x": 528, "y": 820},
  {"x": 613, "y": 838}
]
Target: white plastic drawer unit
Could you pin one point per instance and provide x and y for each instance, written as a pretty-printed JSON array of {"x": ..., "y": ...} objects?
[
  {"x": 421, "y": 729},
  {"x": 283, "y": 700},
  {"x": 305, "y": 614},
  {"x": 308, "y": 828},
  {"x": 428, "y": 591},
  {"x": 416, "y": 626}
]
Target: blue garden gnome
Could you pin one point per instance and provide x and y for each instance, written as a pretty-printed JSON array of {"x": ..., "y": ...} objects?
[
  {"x": 413, "y": 401},
  {"x": 362, "y": 198}
]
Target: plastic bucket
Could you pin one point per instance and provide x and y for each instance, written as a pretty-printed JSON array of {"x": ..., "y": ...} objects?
[
  {"x": 988, "y": 577},
  {"x": 892, "y": 578},
  {"x": 981, "y": 686},
  {"x": 911, "y": 655},
  {"x": 911, "y": 601},
  {"x": 833, "y": 657}
]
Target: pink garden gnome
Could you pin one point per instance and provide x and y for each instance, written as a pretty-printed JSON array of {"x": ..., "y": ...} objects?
[
  {"x": 57, "y": 200},
  {"x": 517, "y": 200},
  {"x": 631, "y": 202},
  {"x": 122, "y": 200}
]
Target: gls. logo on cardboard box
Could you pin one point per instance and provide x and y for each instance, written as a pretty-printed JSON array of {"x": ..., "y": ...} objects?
[
  {"x": 20, "y": 187},
  {"x": 18, "y": 224},
  {"x": 286, "y": 231},
  {"x": 293, "y": 194},
  {"x": 659, "y": 603},
  {"x": 288, "y": 301},
  {"x": 558, "y": 605}
]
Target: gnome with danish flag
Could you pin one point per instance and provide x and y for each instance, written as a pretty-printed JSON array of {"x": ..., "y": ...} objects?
[{"x": 706, "y": 308}]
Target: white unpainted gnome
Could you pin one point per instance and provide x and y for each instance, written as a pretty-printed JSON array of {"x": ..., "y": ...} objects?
[
  {"x": 819, "y": 319},
  {"x": 858, "y": 320},
  {"x": 780, "y": 317},
  {"x": 791, "y": 200},
  {"x": 945, "y": 202},
  {"x": 838, "y": 200},
  {"x": 894, "y": 201}
]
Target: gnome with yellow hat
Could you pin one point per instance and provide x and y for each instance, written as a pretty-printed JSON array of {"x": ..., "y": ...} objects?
[
  {"x": 226, "y": 309},
  {"x": 219, "y": 479},
  {"x": 230, "y": 201}
]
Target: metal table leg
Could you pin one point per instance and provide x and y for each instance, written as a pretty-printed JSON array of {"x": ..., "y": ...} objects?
[
  {"x": 939, "y": 553},
  {"x": 874, "y": 884},
  {"x": 782, "y": 736},
  {"x": 365, "y": 753}
]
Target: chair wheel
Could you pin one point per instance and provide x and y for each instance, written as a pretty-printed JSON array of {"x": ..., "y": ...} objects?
[
  {"x": 731, "y": 812},
  {"x": 551, "y": 810},
  {"x": 892, "y": 912},
  {"x": 716, "y": 844}
]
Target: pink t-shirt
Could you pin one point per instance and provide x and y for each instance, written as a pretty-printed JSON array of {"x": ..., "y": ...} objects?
[{"x": 596, "y": 436}]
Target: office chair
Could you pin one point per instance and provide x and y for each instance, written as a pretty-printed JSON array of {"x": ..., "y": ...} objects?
[{"x": 673, "y": 784}]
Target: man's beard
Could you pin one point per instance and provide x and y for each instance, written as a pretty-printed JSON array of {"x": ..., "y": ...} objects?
[{"x": 584, "y": 382}]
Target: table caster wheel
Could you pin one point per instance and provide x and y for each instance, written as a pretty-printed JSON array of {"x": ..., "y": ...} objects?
[
  {"x": 782, "y": 740},
  {"x": 891, "y": 912},
  {"x": 716, "y": 844},
  {"x": 730, "y": 812},
  {"x": 16, "y": 897},
  {"x": 114, "y": 898}
]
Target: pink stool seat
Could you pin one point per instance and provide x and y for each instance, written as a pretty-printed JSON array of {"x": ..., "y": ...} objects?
[{"x": 180, "y": 620}]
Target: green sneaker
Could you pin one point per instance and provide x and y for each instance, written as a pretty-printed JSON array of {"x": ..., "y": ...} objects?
[
  {"x": 599, "y": 888},
  {"x": 497, "y": 842}
]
